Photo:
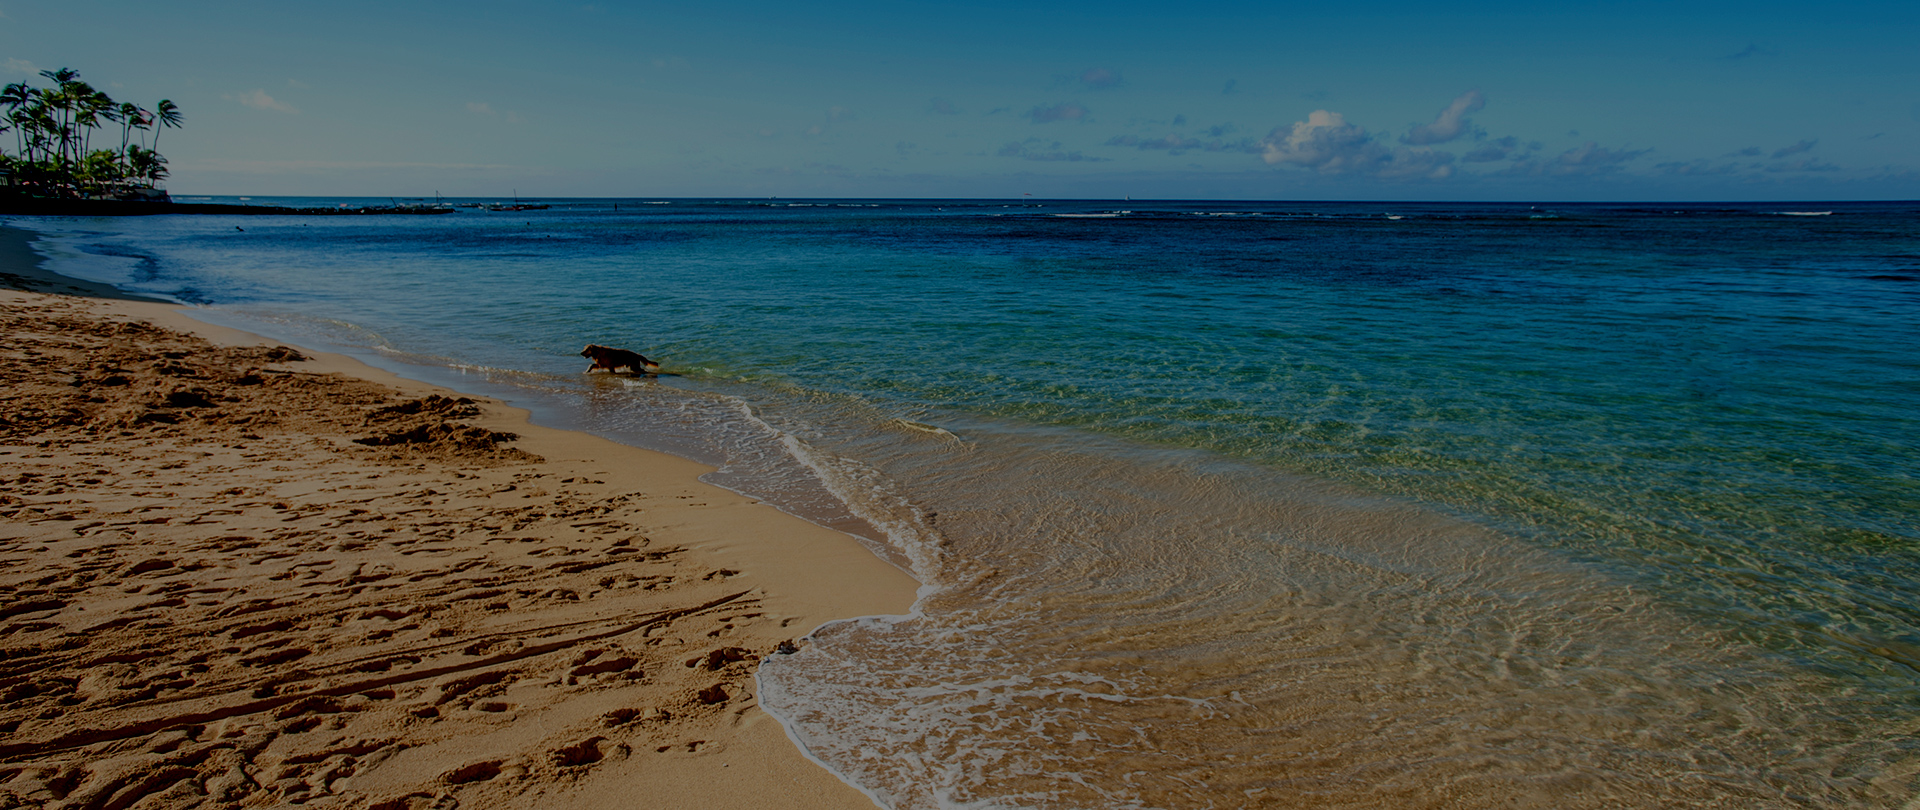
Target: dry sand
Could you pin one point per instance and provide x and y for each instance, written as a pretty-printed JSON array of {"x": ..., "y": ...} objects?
[{"x": 237, "y": 575}]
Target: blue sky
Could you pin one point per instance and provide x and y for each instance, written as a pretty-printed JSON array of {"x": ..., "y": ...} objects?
[{"x": 1388, "y": 100}]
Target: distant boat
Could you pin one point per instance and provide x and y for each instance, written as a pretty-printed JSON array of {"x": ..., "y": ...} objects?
[
  {"x": 516, "y": 205},
  {"x": 411, "y": 207}
]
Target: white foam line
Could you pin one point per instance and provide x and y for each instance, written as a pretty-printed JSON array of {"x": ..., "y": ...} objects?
[
  {"x": 907, "y": 539},
  {"x": 926, "y": 428},
  {"x": 793, "y": 736},
  {"x": 1003, "y": 690}
]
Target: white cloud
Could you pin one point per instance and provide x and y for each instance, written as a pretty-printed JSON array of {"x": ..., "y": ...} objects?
[
  {"x": 259, "y": 100},
  {"x": 1803, "y": 165},
  {"x": 20, "y": 66},
  {"x": 1326, "y": 143},
  {"x": 1417, "y": 164},
  {"x": 1593, "y": 159},
  {"x": 1794, "y": 149},
  {"x": 1036, "y": 149},
  {"x": 1100, "y": 78},
  {"x": 1500, "y": 149},
  {"x": 1177, "y": 145},
  {"x": 836, "y": 114},
  {"x": 1580, "y": 161},
  {"x": 1451, "y": 123},
  {"x": 1058, "y": 112},
  {"x": 1699, "y": 167}
]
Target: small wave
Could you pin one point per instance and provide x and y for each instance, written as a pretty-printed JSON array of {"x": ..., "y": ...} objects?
[
  {"x": 868, "y": 495},
  {"x": 483, "y": 371},
  {"x": 1803, "y": 213},
  {"x": 925, "y": 428}
]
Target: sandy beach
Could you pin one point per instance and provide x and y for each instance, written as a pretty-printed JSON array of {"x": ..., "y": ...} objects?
[{"x": 245, "y": 574}]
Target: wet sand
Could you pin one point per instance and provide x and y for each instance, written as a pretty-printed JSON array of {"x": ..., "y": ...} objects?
[{"x": 242, "y": 574}]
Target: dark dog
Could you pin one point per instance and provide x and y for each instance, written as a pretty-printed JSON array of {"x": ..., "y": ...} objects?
[{"x": 610, "y": 360}]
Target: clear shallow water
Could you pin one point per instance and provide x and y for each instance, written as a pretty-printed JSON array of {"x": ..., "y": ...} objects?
[{"x": 1235, "y": 504}]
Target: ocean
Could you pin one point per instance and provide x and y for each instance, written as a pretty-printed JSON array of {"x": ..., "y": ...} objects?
[{"x": 1229, "y": 504}]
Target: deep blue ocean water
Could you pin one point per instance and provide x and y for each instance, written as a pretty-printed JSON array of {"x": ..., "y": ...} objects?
[{"x": 1231, "y": 504}]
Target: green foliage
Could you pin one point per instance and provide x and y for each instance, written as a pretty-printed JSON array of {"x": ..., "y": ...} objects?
[{"x": 53, "y": 130}]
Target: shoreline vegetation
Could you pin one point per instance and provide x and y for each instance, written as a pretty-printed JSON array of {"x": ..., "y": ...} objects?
[
  {"x": 54, "y": 130},
  {"x": 249, "y": 574},
  {"x": 54, "y": 169}
]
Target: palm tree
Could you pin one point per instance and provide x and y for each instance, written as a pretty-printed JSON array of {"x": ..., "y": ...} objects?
[
  {"x": 146, "y": 164},
  {"x": 13, "y": 97},
  {"x": 166, "y": 115},
  {"x": 60, "y": 101},
  {"x": 53, "y": 135},
  {"x": 27, "y": 129},
  {"x": 98, "y": 107},
  {"x": 131, "y": 117},
  {"x": 44, "y": 126}
]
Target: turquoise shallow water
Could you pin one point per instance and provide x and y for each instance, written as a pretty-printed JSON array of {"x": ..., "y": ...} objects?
[{"x": 1234, "y": 504}]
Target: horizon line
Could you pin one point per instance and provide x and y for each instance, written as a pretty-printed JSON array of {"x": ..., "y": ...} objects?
[{"x": 524, "y": 198}]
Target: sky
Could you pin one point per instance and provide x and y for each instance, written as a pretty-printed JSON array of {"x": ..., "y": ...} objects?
[{"x": 1462, "y": 101}]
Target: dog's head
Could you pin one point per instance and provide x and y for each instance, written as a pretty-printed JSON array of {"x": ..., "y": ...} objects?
[{"x": 592, "y": 350}]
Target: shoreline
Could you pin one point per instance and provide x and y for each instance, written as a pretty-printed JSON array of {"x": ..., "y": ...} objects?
[{"x": 700, "y": 543}]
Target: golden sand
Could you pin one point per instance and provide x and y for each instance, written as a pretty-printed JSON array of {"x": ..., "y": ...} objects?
[{"x": 239, "y": 574}]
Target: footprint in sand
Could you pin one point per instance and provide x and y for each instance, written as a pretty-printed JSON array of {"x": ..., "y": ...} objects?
[
  {"x": 585, "y": 752},
  {"x": 475, "y": 772}
]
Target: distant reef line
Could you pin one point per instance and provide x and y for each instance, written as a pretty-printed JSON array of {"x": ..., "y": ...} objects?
[{"x": 19, "y": 206}]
